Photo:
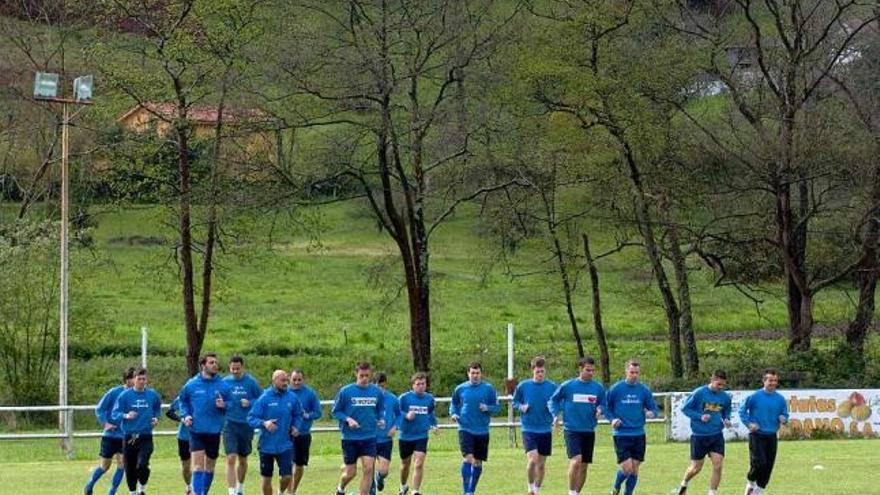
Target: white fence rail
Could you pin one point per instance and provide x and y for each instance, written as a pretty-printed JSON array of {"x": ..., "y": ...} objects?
[{"x": 71, "y": 433}]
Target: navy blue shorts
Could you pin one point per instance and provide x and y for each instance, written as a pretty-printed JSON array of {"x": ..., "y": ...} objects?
[
  {"x": 580, "y": 443},
  {"x": 284, "y": 461},
  {"x": 301, "y": 446},
  {"x": 630, "y": 447},
  {"x": 209, "y": 442},
  {"x": 542, "y": 442},
  {"x": 352, "y": 450},
  {"x": 407, "y": 447},
  {"x": 183, "y": 450},
  {"x": 703, "y": 445},
  {"x": 384, "y": 449},
  {"x": 110, "y": 447},
  {"x": 238, "y": 438},
  {"x": 476, "y": 445}
]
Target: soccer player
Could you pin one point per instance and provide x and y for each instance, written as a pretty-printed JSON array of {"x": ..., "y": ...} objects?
[
  {"x": 238, "y": 436},
  {"x": 473, "y": 403},
  {"x": 111, "y": 439},
  {"x": 628, "y": 404},
  {"x": 708, "y": 407},
  {"x": 277, "y": 413},
  {"x": 417, "y": 417},
  {"x": 173, "y": 413},
  {"x": 137, "y": 409},
  {"x": 359, "y": 408},
  {"x": 580, "y": 402},
  {"x": 385, "y": 435},
  {"x": 203, "y": 403},
  {"x": 311, "y": 406},
  {"x": 531, "y": 399},
  {"x": 763, "y": 412}
]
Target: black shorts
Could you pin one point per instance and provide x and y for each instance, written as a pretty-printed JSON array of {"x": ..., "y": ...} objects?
[
  {"x": 407, "y": 447},
  {"x": 352, "y": 450},
  {"x": 384, "y": 449},
  {"x": 542, "y": 442},
  {"x": 580, "y": 443},
  {"x": 209, "y": 442},
  {"x": 284, "y": 461},
  {"x": 238, "y": 438},
  {"x": 476, "y": 445},
  {"x": 183, "y": 450},
  {"x": 301, "y": 446},
  {"x": 630, "y": 447},
  {"x": 110, "y": 447},
  {"x": 703, "y": 445}
]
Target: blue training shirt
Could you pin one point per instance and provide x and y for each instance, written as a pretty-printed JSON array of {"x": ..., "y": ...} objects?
[
  {"x": 285, "y": 409},
  {"x": 182, "y": 429},
  {"x": 579, "y": 403},
  {"x": 466, "y": 400},
  {"x": 311, "y": 406},
  {"x": 764, "y": 409},
  {"x": 104, "y": 410},
  {"x": 198, "y": 400},
  {"x": 422, "y": 406},
  {"x": 147, "y": 404},
  {"x": 704, "y": 401},
  {"x": 628, "y": 404},
  {"x": 537, "y": 418},
  {"x": 245, "y": 387},
  {"x": 366, "y": 405},
  {"x": 392, "y": 417}
]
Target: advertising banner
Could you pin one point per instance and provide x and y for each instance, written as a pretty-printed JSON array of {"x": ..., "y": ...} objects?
[{"x": 854, "y": 413}]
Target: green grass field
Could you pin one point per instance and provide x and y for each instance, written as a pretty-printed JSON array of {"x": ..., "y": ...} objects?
[{"x": 847, "y": 467}]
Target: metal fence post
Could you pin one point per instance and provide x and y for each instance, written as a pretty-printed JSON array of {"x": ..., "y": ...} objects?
[{"x": 67, "y": 442}]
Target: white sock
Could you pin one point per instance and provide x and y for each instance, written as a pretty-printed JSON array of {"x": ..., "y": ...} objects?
[
  {"x": 532, "y": 487},
  {"x": 536, "y": 489},
  {"x": 712, "y": 492},
  {"x": 403, "y": 488},
  {"x": 684, "y": 482},
  {"x": 239, "y": 486},
  {"x": 232, "y": 491},
  {"x": 134, "y": 492},
  {"x": 572, "y": 492}
]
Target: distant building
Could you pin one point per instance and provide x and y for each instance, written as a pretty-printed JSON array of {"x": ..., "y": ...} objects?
[{"x": 252, "y": 132}]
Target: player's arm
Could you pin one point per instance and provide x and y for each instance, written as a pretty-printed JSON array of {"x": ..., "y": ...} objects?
[
  {"x": 315, "y": 412},
  {"x": 492, "y": 401},
  {"x": 119, "y": 408},
  {"x": 518, "y": 399},
  {"x": 255, "y": 415},
  {"x": 339, "y": 403},
  {"x": 650, "y": 403},
  {"x": 455, "y": 404},
  {"x": 691, "y": 407},
  {"x": 745, "y": 413}
]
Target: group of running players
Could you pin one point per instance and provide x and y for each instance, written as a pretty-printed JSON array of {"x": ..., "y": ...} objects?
[{"x": 210, "y": 408}]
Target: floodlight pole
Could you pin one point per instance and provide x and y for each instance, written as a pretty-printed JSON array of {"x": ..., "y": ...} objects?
[{"x": 66, "y": 416}]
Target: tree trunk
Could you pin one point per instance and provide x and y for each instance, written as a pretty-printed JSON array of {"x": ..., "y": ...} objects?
[
  {"x": 194, "y": 338},
  {"x": 604, "y": 356},
  {"x": 566, "y": 291},
  {"x": 420, "y": 321},
  {"x": 646, "y": 229},
  {"x": 686, "y": 320}
]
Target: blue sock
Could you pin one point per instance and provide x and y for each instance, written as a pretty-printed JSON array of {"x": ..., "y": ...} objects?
[
  {"x": 465, "y": 476},
  {"x": 96, "y": 475},
  {"x": 477, "y": 470},
  {"x": 631, "y": 484},
  {"x": 619, "y": 479},
  {"x": 198, "y": 482},
  {"x": 117, "y": 480},
  {"x": 209, "y": 478}
]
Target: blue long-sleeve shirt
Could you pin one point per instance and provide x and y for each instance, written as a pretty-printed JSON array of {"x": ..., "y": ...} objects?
[
  {"x": 366, "y": 405},
  {"x": 182, "y": 429},
  {"x": 466, "y": 400},
  {"x": 537, "y": 418},
  {"x": 391, "y": 417},
  {"x": 245, "y": 387},
  {"x": 422, "y": 406},
  {"x": 579, "y": 403},
  {"x": 285, "y": 409},
  {"x": 198, "y": 400},
  {"x": 704, "y": 401},
  {"x": 311, "y": 406},
  {"x": 628, "y": 404},
  {"x": 104, "y": 410},
  {"x": 764, "y": 409},
  {"x": 147, "y": 404}
]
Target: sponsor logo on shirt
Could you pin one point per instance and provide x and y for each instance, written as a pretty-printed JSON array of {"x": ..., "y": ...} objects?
[
  {"x": 363, "y": 401},
  {"x": 712, "y": 407},
  {"x": 585, "y": 398},
  {"x": 631, "y": 399},
  {"x": 419, "y": 409}
]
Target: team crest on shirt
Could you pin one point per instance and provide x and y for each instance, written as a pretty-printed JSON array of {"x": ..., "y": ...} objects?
[
  {"x": 585, "y": 398},
  {"x": 363, "y": 401}
]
